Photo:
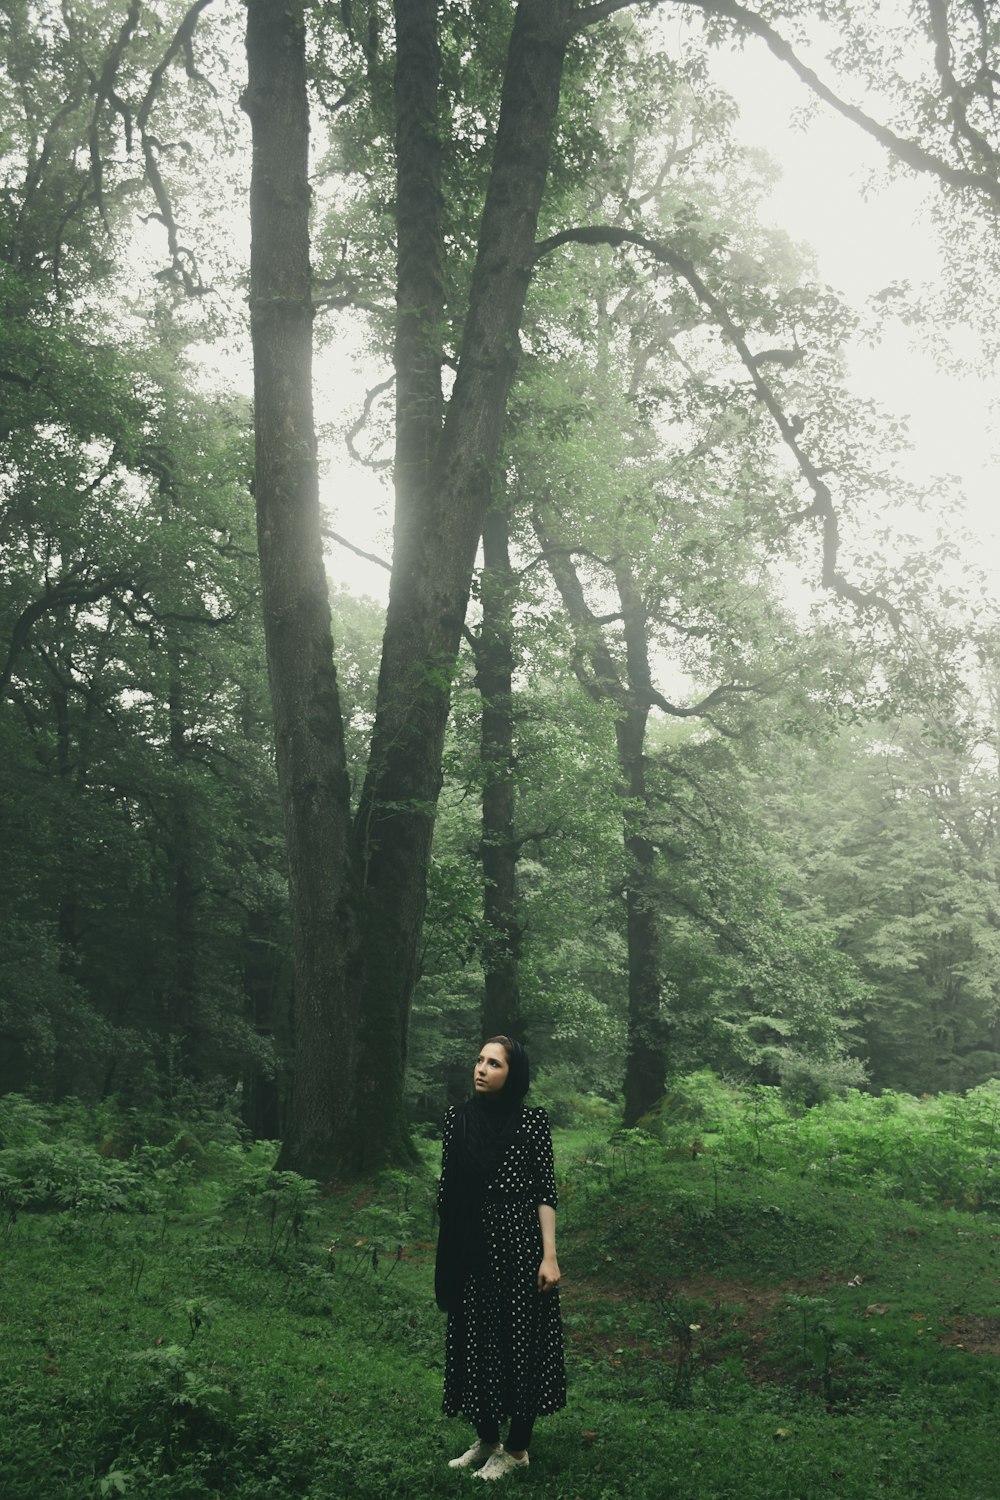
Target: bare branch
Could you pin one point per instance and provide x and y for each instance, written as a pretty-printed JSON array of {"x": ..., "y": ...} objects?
[{"x": 342, "y": 541}]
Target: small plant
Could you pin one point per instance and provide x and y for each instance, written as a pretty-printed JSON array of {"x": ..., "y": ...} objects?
[
  {"x": 382, "y": 1224},
  {"x": 276, "y": 1206},
  {"x": 631, "y": 1152},
  {"x": 199, "y": 1314},
  {"x": 818, "y": 1341}
]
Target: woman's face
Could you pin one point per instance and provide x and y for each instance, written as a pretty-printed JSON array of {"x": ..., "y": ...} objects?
[{"x": 492, "y": 1067}]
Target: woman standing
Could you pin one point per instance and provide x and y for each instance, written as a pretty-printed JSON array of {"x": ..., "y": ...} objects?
[{"x": 497, "y": 1276}]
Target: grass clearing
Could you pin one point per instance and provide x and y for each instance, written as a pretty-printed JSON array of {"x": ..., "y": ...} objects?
[{"x": 733, "y": 1329}]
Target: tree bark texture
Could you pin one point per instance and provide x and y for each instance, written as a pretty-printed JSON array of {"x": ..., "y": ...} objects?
[
  {"x": 444, "y": 477},
  {"x": 311, "y": 765},
  {"x": 499, "y": 849}
]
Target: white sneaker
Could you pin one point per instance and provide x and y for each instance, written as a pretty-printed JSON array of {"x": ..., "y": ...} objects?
[
  {"x": 500, "y": 1464},
  {"x": 474, "y": 1457}
]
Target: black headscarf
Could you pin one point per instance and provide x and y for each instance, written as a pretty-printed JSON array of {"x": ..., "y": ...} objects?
[{"x": 485, "y": 1127}]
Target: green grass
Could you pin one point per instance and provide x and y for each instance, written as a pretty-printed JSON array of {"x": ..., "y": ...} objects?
[{"x": 733, "y": 1330}]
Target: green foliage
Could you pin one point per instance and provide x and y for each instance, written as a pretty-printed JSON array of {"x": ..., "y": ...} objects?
[
  {"x": 753, "y": 985},
  {"x": 824, "y": 904},
  {"x": 67, "y": 1176},
  {"x": 932, "y": 1150},
  {"x": 557, "y": 1089},
  {"x": 889, "y": 837},
  {"x": 729, "y": 1325},
  {"x": 277, "y": 1208}
]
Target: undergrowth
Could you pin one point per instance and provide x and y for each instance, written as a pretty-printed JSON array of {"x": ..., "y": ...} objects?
[{"x": 759, "y": 1300}]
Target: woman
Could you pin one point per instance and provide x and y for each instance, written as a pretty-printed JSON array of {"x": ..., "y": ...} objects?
[{"x": 497, "y": 1276}]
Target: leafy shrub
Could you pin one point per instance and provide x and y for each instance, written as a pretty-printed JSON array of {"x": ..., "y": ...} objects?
[
  {"x": 76, "y": 1156},
  {"x": 943, "y": 1149},
  {"x": 557, "y": 1090},
  {"x": 276, "y": 1207},
  {"x": 48, "y": 1176},
  {"x": 22, "y": 1122},
  {"x": 812, "y": 1080},
  {"x": 169, "y": 1415}
]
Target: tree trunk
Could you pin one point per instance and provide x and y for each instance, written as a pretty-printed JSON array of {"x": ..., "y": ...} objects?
[
  {"x": 443, "y": 491},
  {"x": 645, "y": 1057},
  {"x": 357, "y": 903},
  {"x": 181, "y": 1018},
  {"x": 308, "y": 732},
  {"x": 494, "y": 673},
  {"x": 646, "y": 1053},
  {"x": 600, "y": 676}
]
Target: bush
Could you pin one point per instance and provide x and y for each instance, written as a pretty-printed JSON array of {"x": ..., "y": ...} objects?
[
  {"x": 557, "y": 1091},
  {"x": 49, "y": 1176}
]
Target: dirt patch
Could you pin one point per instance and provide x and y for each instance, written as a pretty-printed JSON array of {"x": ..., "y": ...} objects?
[
  {"x": 974, "y": 1335},
  {"x": 707, "y": 1316}
]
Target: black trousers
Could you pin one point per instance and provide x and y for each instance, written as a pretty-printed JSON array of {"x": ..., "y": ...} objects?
[{"x": 518, "y": 1437}]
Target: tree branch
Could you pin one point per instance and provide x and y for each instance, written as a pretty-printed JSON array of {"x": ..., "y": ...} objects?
[
  {"x": 356, "y": 427},
  {"x": 66, "y": 594},
  {"x": 822, "y": 506},
  {"x": 605, "y": 682},
  {"x": 342, "y": 541},
  {"x": 104, "y": 92},
  {"x": 910, "y": 152},
  {"x": 721, "y": 694},
  {"x": 962, "y": 127},
  {"x": 181, "y": 42},
  {"x": 183, "y": 264},
  {"x": 589, "y": 15}
]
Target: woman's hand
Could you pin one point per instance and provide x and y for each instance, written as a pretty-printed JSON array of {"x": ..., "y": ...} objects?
[{"x": 548, "y": 1274}]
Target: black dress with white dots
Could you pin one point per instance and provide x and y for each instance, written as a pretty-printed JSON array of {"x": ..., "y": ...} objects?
[{"x": 504, "y": 1344}]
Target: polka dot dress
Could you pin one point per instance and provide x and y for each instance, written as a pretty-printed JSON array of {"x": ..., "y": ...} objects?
[{"x": 504, "y": 1345}]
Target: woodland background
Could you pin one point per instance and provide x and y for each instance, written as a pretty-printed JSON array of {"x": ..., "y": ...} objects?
[{"x": 711, "y": 757}]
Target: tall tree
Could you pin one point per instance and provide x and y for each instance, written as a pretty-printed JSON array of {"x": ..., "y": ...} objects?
[{"x": 355, "y": 964}]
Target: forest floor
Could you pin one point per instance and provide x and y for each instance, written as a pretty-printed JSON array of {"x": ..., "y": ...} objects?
[{"x": 730, "y": 1332}]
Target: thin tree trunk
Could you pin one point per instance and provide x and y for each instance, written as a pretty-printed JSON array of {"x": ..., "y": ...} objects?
[
  {"x": 181, "y": 1017},
  {"x": 646, "y": 1053},
  {"x": 645, "y": 1057},
  {"x": 601, "y": 678},
  {"x": 498, "y": 849}
]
